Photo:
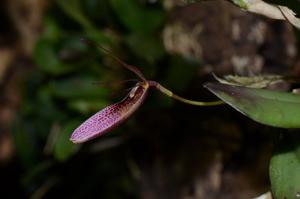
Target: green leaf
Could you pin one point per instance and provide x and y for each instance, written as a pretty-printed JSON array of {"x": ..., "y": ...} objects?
[
  {"x": 46, "y": 58},
  {"x": 87, "y": 106},
  {"x": 63, "y": 147},
  {"x": 99, "y": 37},
  {"x": 240, "y": 3},
  {"x": 181, "y": 72},
  {"x": 285, "y": 169},
  {"x": 82, "y": 88},
  {"x": 73, "y": 9},
  {"x": 137, "y": 18},
  {"x": 274, "y": 108},
  {"x": 261, "y": 81},
  {"x": 51, "y": 32},
  {"x": 98, "y": 11},
  {"x": 147, "y": 47}
]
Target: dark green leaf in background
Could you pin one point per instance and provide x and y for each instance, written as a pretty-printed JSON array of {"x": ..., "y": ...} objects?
[
  {"x": 137, "y": 18},
  {"x": 73, "y": 9},
  {"x": 285, "y": 168},
  {"x": 181, "y": 72},
  {"x": 147, "y": 47},
  {"x": 87, "y": 106},
  {"x": 63, "y": 147},
  {"x": 47, "y": 59},
  {"x": 77, "y": 87}
]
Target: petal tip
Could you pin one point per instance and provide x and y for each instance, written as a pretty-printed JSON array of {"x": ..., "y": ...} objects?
[{"x": 74, "y": 138}]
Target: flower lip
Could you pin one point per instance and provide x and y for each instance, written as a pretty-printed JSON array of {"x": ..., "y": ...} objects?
[{"x": 111, "y": 116}]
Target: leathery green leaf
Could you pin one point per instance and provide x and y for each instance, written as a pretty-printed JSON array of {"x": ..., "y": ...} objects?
[
  {"x": 274, "y": 108},
  {"x": 285, "y": 168}
]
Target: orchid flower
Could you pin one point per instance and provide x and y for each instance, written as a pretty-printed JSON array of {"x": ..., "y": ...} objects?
[{"x": 113, "y": 115}]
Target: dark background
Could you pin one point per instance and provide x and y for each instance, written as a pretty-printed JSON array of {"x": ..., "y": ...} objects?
[{"x": 167, "y": 149}]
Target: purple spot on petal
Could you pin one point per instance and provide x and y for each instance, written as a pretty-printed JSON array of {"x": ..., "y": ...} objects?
[{"x": 109, "y": 117}]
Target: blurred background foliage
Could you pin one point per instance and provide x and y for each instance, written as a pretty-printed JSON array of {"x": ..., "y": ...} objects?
[{"x": 54, "y": 81}]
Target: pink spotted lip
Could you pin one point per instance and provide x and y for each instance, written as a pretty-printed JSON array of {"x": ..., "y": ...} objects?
[{"x": 111, "y": 116}]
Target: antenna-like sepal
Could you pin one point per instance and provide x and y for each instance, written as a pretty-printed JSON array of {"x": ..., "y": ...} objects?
[{"x": 133, "y": 69}]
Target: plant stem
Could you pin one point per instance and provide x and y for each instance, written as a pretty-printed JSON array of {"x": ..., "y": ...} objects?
[{"x": 181, "y": 99}]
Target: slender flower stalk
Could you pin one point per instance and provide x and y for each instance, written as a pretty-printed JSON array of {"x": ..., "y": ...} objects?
[
  {"x": 113, "y": 115},
  {"x": 169, "y": 93}
]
